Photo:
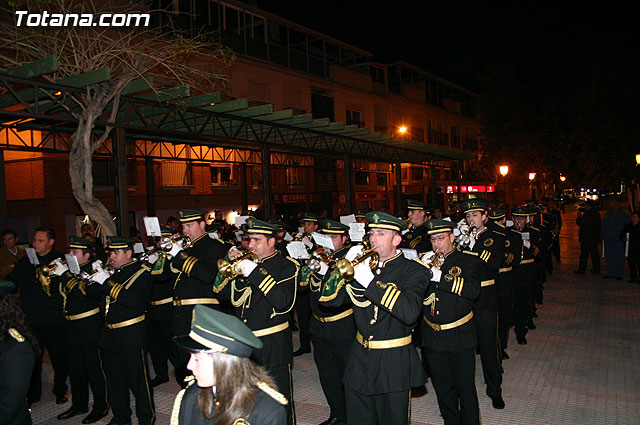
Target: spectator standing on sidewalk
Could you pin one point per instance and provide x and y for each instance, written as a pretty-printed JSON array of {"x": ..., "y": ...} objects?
[
  {"x": 612, "y": 224},
  {"x": 589, "y": 222},
  {"x": 633, "y": 230}
]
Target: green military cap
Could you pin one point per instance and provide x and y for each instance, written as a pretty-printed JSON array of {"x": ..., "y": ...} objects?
[
  {"x": 213, "y": 331},
  {"x": 520, "y": 211},
  {"x": 7, "y": 287},
  {"x": 186, "y": 216},
  {"x": 166, "y": 231},
  {"x": 361, "y": 213},
  {"x": 307, "y": 216},
  {"x": 383, "y": 220},
  {"x": 439, "y": 226},
  {"x": 278, "y": 223},
  {"x": 476, "y": 204},
  {"x": 412, "y": 204},
  {"x": 76, "y": 242},
  {"x": 332, "y": 227},
  {"x": 255, "y": 226},
  {"x": 119, "y": 242},
  {"x": 497, "y": 213}
]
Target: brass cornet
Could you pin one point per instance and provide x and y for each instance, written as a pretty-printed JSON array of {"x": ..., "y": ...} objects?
[
  {"x": 302, "y": 236},
  {"x": 229, "y": 270},
  {"x": 50, "y": 269},
  {"x": 345, "y": 267},
  {"x": 317, "y": 256}
]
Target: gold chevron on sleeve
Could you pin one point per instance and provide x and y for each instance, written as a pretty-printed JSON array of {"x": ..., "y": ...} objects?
[
  {"x": 387, "y": 295},
  {"x": 393, "y": 299}
]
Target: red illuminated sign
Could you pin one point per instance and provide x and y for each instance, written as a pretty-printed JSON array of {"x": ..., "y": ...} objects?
[{"x": 471, "y": 189}]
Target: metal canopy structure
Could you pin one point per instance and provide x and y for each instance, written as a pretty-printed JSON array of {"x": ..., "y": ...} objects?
[{"x": 157, "y": 118}]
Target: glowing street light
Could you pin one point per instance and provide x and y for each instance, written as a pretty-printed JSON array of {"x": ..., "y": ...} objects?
[
  {"x": 638, "y": 159},
  {"x": 532, "y": 176},
  {"x": 402, "y": 129},
  {"x": 504, "y": 170},
  {"x": 562, "y": 178}
]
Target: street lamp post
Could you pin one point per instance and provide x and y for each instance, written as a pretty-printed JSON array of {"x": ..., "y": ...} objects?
[
  {"x": 532, "y": 177},
  {"x": 504, "y": 170}
]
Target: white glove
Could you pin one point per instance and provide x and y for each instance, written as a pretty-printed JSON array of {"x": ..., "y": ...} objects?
[
  {"x": 437, "y": 273},
  {"x": 175, "y": 250},
  {"x": 363, "y": 274},
  {"x": 472, "y": 242},
  {"x": 60, "y": 268},
  {"x": 246, "y": 267},
  {"x": 353, "y": 252},
  {"x": 526, "y": 243},
  {"x": 153, "y": 258},
  {"x": 324, "y": 267},
  {"x": 100, "y": 276}
]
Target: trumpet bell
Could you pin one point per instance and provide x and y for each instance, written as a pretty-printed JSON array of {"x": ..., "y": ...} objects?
[
  {"x": 346, "y": 267},
  {"x": 228, "y": 268}
]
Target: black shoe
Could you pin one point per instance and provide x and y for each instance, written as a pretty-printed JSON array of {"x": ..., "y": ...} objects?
[
  {"x": 95, "y": 416},
  {"x": 505, "y": 356},
  {"x": 618, "y": 278},
  {"x": 333, "y": 421},
  {"x": 71, "y": 412},
  {"x": 418, "y": 391},
  {"x": 497, "y": 402},
  {"x": 159, "y": 381},
  {"x": 302, "y": 350},
  {"x": 522, "y": 341},
  {"x": 62, "y": 398},
  {"x": 531, "y": 325},
  {"x": 579, "y": 271},
  {"x": 595, "y": 271},
  {"x": 633, "y": 280},
  {"x": 607, "y": 277}
]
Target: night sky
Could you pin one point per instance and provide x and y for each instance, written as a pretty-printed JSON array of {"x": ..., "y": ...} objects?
[{"x": 456, "y": 40}]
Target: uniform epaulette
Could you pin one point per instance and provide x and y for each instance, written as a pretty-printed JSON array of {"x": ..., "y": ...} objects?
[
  {"x": 272, "y": 393},
  {"x": 293, "y": 261},
  {"x": 470, "y": 253},
  {"x": 16, "y": 335}
]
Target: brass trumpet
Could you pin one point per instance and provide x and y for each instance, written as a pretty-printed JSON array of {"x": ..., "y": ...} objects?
[
  {"x": 49, "y": 270},
  {"x": 345, "y": 267},
  {"x": 229, "y": 270},
  {"x": 317, "y": 256},
  {"x": 302, "y": 236}
]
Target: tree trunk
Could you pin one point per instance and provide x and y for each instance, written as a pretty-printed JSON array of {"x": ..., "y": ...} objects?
[{"x": 80, "y": 171}]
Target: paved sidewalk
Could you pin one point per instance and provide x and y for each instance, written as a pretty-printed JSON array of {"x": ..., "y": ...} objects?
[{"x": 581, "y": 365}]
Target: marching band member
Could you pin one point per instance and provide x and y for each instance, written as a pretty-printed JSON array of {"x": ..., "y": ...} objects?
[
  {"x": 263, "y": 294},
  {"x": 333, "y": 328},
  {"x": 489, "y": 247},
  {"x": 383, "y": 364},
  {"x": 417, "y": 238},
  {"x": 449, "y": 340}
]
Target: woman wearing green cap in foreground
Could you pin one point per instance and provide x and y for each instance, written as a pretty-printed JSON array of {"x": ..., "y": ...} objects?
[{"x": 228, "y": 388}]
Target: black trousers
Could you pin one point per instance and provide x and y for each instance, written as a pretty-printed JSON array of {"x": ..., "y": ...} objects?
[
  {"x": 589, "y": 249},
  {"x": 505, "y": 319},
  {"x": 524, "y": 290},
  {"x": 388, "y": 408},
  {"x": 303, "y": 308},
  {"x": 51, "y": 338},
  {"x": 85, "y": 369},
  {"x": 331, "y": 357},
  {"x": 281, "y": 375},
  {"x": 128, "y": 370},
  {"x": 634, "y": 263},
  {"x": 453, "y": 377},
  {"x": 487, "y": 332},
  {"x": 161, "y": 345}
]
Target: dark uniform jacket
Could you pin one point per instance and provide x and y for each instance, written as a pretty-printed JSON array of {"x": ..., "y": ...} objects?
[
  {"x": 490, "y": 249},
  {"x": 388, "y": 308},
  {"x": 590, "y": 224},
  {"x": 124, "y": 296},
  {"x": 40, "y": 308},
  {"x": 196, "y": 268},
  {"x": 512, "y": 256},
  {"x": 417, "y": 238},
  {"x": 264, "y": 299},
  {"x": 76, "y": 301},
  {"x": 268, "y": 408},
  {"x": 17, "y": 358},
  {"x": 344, "y": 328}
]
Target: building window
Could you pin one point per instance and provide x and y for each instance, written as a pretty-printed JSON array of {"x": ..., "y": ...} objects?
[
  {"x": 354, "y": 118},
  {"x": 361, "y": 177},
  {"x": 176, "y": 173},
  {"x": 416, "y": 173},
  {"x": 221, "y": 175},
  {"x": 104, "y": 172},
  {"x": 418, "y": 133},
  {"x": 381, "y": 179}
]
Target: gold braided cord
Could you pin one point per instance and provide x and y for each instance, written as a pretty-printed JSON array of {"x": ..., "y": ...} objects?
[
  {"x": 353, "y": 295},
  {"x": 245, "y": 293}
]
